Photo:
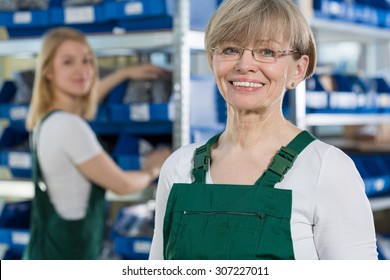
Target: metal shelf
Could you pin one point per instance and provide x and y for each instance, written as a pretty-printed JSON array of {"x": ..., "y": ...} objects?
[
  {"x": 345, "y": 119},
  {"x": 24, "y": 189},
  {"x": 380, "y": 203},
  {"x": 105, "y": 42},
  {"x": 337, "y": 31}
]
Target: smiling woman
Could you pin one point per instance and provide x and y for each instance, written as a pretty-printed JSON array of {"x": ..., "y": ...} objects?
[
  {"x": 71, "y": 171},
  {"x": 263, "y": 188}
]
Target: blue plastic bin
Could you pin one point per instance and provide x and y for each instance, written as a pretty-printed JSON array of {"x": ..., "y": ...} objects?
[
  {"x": 133, "y": 248},
  {"x": 25, "y": 23},
  {"x": 14, "y": 227},
  {"x": 375, "y": 173},
  {"x": 126, "y": 152},
  {"x": 158, "y": 14},
  {"x": 77, "y": 15},
  {"x": 352, "y": 95},
  {"x": 7, "y": 91},
  {"x": 382, "y": 89},
  {"x": 14, "y": 152},
  {"x": 334, "y": 9},
  {"x": 141, "y": 112},
  {"x": 317, "y": 99}
]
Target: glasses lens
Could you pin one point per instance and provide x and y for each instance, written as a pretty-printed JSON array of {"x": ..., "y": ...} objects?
[{"x": 266, "y": 55}]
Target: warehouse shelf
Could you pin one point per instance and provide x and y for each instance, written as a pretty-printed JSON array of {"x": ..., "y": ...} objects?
[
  {"x": 380, "y": 203},
  {"x": 145, "y": 41},
  {"x": 345, "y": 119},
  {"x": 327, "y": 30},
  {"x": 24, "y": 189}
]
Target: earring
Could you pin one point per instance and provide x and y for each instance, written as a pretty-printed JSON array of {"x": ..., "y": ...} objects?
[{"x": 292, "y": 84}]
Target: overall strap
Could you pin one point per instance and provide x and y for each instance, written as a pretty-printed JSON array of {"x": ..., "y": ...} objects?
[
  {"x": 36, "y": 172},
  {"x": 284, "y": 159},
  {"x": 202, "y": 159}
]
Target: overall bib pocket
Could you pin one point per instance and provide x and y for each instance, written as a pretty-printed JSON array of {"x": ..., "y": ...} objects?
[{"x": 231, "y": 234}]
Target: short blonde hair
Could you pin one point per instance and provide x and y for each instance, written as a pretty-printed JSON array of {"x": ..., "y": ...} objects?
[
  {"x": 42, "y": 97},
  {"x": 251, "y": 21}
]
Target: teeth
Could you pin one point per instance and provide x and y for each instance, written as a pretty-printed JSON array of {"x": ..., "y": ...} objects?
[{"x": 247, "y": 84}]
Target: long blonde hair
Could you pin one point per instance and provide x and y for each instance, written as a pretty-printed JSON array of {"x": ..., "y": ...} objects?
[{"x": 42, "y": 96}]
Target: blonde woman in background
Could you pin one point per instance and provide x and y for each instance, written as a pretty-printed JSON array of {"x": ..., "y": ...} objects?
[{"x": 67, "y": 212}]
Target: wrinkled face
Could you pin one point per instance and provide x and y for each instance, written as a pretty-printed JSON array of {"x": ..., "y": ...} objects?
[
  {"x": 256, "y": 82},
  {"x": 73, "y": 70}
]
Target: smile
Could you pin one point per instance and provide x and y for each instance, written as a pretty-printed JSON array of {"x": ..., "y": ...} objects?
[{"x": 247, "y": 84}]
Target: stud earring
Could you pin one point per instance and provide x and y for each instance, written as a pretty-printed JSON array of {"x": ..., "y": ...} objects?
[{"x": 292, "y": 84}]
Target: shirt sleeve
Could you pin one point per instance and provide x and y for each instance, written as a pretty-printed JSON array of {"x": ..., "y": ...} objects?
[
  {"x": 176, "y": 169},
  {"x": 165, "y": 183},
  {"x": 79, "y": 142},
  {"x": 344, "y": 226}
]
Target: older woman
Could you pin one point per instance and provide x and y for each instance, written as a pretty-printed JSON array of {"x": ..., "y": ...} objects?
[{"x": 262, "y": 189}]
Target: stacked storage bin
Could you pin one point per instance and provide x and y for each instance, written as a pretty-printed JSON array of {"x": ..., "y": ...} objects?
[
  {"x": 373, "y": 13},
  {"x": 14, "y": 150},
  {"x": 14, "y": 228},
  {"x": 350, "y": 94},
  {"x": 95, "y": 16},
  {"x": 375, "y": 171},
  {"x": 133, "y": 230}
]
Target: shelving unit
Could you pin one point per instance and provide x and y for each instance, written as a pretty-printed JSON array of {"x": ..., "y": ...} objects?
[
  {"x": 375, "y": 42},
  {"x": 180, "y": 40},
  {"x": 330, "y": 31},
  {"x": 175, "y": 40}
]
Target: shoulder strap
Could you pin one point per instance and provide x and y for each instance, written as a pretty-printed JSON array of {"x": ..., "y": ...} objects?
[
  {"x": 284, "y": 159},
  {"x": 202, "y": 159},
  {"x": 281, "y": 163},
  {"x": 36, "y": 171}
]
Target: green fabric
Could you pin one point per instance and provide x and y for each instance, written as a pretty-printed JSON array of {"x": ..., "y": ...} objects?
[
  {"x": 214, "y": 221},
  {"x": 54, "y": 238}
]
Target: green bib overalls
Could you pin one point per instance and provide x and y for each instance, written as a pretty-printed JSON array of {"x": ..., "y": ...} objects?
[
  {"x": 54, "y": 238},
  {"x": 215, "y": 221}
]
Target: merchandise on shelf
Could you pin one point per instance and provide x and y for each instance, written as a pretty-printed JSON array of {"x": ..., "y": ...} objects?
[
  {"x": 133, "y": 230},
  {"x": 382, "y": 89},
  {"x": 375, "y": 171},
  {"x": 97, "y": 16},
  {"x": 383, "y": 243},
  {"x": 367, "y": 12},
  {"x": 8, "y": 5},
  {"x": 341, "y": 93},
  {"x": 14, "y": 228},
  {"x": 317, "y": 99},
  {"x": 14, "y": 152},
  {"x": 129, "y": 150},
  {"x": 80, "y": 2}
]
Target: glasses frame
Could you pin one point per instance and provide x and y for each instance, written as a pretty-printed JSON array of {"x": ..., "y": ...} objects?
[{"x": 278, "y": 54}]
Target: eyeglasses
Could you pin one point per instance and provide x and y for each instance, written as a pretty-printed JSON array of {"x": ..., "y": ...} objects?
[{"x": 261, "y": 55}]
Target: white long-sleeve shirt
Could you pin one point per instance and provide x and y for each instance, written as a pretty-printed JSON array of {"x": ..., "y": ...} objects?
[{"x": 331, "y": 215}]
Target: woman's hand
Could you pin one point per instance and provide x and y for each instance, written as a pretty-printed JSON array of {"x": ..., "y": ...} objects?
[
  {"x": 134, "y": 72},
  {"x": 145, "y": 72},
  {"x": 154, "y": 160}
]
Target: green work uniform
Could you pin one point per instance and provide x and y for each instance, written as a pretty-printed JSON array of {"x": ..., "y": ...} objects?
[
  {"x": 54, "y": 238},
  {"x": 217, "y": 221}
]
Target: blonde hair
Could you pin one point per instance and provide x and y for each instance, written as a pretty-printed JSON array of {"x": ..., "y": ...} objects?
[
  {"x": 42, "y": 96},
  {"x": 252, "y": 21}
]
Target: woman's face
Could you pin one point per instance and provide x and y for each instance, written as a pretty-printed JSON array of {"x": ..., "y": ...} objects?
[
  {"x": 73, "y": 70},
  {"x": 250, "y": 85}
]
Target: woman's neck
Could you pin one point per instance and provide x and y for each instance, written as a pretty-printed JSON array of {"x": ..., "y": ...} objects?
[
  {"x": 67, "y": 104},
  {"x": 251, "y": 129}
]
